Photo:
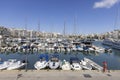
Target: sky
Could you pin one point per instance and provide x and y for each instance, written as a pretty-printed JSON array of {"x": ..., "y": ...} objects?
[{"x": 89, "y": 16}]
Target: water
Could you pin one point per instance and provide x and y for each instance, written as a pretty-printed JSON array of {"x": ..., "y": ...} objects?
[{"x": 112, "y": 59}]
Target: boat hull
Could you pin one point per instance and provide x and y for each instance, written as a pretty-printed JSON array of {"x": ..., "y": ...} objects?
[{"x": 41, "y": 65}]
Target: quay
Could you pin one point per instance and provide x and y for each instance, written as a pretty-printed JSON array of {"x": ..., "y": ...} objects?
[{"x": 59, "y": 75}]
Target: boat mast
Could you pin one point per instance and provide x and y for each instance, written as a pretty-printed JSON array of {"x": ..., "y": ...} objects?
[
  {"x": 25, "y": 32},
  {"x": 39, "y": 26},
  {"x": 74, "y": 33},
  {"x": 64, "y": 30},
  {"x": 117, "y": 18},
  {"x": 37, "y": 31},
  {"x": 117, "y": 24}
]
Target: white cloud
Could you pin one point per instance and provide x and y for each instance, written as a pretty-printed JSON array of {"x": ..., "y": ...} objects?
[{"x": 105, "y": 3}]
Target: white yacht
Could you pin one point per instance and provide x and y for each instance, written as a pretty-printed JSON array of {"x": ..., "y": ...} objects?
[
  {"x": 54, "y": 62},
  {"x": 4, "y": 65},
  {"x": 75, "y": 64},
  {"x": 85, "y": 65},
  {"x": 116, "y": 44},
  {"x": 79, "y": 49},
  {"x": 65, "y": 65},
  {"x": 74, "y": 48},
  {"x": 42, "y": 63},
  {"x": 14, "y": 64},
  {"x": 99, "y": 49},
  {"x": 93, "y": 64},
  {"x": 108, "y": 42}
]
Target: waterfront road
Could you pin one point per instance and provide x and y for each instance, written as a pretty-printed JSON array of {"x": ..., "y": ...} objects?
[{"x": 58, "y": 75}]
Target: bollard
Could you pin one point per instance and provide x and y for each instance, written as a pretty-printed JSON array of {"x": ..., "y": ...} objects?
[{"x": 104, "y": 66}]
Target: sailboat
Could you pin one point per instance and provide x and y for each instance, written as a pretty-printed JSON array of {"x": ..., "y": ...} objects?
[{"x": 116, "y": 42}]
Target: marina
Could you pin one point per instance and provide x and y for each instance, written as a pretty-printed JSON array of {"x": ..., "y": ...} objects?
[
  {"x": 51, "y": 45},
  {"x": 112, "y": 58},
  {"x": 60, "y": 40}
]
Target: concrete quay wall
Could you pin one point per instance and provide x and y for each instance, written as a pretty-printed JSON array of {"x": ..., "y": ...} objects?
[{"x": 59, "y": 75}]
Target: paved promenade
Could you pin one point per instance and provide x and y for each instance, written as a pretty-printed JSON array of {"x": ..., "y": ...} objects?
[{"x": 58, "y": 75}]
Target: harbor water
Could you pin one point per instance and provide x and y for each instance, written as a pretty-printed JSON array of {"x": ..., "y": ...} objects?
[{"x": 112, "y": 59}]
